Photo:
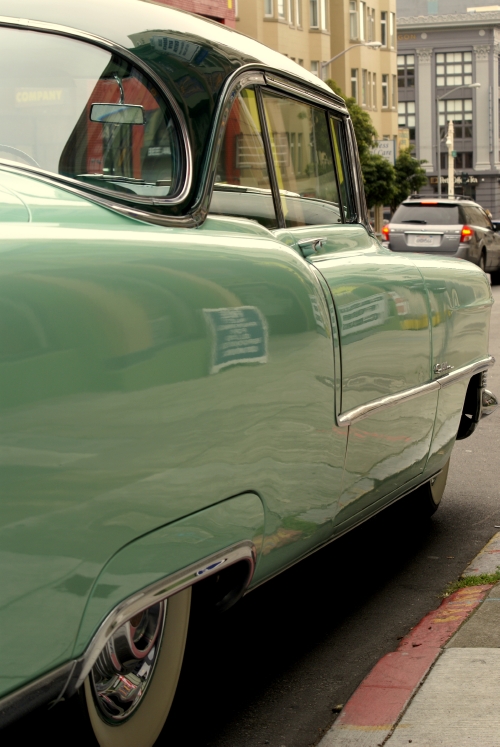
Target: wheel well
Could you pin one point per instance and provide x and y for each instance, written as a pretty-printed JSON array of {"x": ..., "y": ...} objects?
[
  {"x": 471, "y": 411},
  {"x": 221, "y": 590}
]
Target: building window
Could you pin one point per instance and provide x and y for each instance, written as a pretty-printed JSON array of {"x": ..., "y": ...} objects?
[
  {"x": 392, "y": 26},
  {"x": 354, "y": 83},
  {"x": 393, "y": 99},
  {"x": 290, "y": 11},
  {"x": 462, "y": 160},
  {"x": 459, "y": 111},
  {"x": 454, "y": 69},
  {"x": 369, "y": 92},
  {"x": 281, "y": 8},
  {"x": 374, "y": 90},
  {"x": 315, "y": 67},
  {"x": 353, "y": 19},
  {"x": 362, "y": 15},
  {"x": 370, "y": 31},
  {"x": 301, "y": 62},
  {"x": 385, "y": 91},
  {"x": 268, "y": 7},
  {"x": 299, "y": 12},
  {"x": 406, "y": 71},
  {"x": 406, "y": 117},
  {"x": 324, "y": 24},
  {"x": 383, "y": 28},
  {"x": 313, "y": 10},
  {"x": 364, "y": 76}
]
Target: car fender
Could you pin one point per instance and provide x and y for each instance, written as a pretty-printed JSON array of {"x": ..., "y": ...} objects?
[{"x": 161, "y": 555}]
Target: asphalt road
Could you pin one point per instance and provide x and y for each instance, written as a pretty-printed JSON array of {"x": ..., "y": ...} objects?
[{"x": 271, "y": 670}]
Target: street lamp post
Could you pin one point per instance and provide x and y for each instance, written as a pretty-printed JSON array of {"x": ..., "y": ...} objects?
[
  {"x": 372, "y": 45},
  {"x": 438, "y": 133}
]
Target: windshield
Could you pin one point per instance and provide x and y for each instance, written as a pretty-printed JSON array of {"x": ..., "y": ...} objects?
[
  {"x": 75, "y": 109},
  {"x": 436, "y": 215}
]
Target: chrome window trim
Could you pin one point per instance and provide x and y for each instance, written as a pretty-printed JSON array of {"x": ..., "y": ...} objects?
[
  {"x": 110, "y": 46},
  {"x": 382, "y": 403},
  {"x": 274, "y": 81},
  {"x": 183, "y": 221}
]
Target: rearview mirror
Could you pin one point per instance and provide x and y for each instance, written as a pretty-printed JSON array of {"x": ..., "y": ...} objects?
[{"x": 122, "y": 114}]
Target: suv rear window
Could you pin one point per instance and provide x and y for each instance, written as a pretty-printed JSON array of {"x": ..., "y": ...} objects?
[{"x": 436, "y": 215}]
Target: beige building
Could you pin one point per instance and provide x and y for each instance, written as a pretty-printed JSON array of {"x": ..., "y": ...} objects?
[{"x": 311, "y": 32}]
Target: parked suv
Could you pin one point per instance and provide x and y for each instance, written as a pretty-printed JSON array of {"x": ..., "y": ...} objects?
[{"x": 452, "y": 227}]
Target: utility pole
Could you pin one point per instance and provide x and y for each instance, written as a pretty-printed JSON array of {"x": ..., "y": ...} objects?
[{"x": 451, "y": 161}]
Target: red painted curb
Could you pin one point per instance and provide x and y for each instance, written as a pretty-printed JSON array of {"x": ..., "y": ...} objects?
[{"x": 384, "y": 693}]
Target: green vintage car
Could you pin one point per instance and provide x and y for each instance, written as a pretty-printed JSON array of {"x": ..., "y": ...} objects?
[{"x": 209, "y": 365}]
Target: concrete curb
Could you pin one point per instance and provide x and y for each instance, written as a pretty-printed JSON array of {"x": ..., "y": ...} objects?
[{"x": 372, "y": 712}]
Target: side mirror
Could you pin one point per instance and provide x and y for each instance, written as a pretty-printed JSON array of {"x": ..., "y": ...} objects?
[{"x": 121, "y": 114}]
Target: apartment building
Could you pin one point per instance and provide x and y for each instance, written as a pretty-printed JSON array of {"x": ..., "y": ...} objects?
[
  {"x": 222, "y": 11},
  {"x": 448, "y": 70},
  {"x": 311, "y": 32}
]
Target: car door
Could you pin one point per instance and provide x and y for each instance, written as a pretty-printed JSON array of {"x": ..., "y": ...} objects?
[
  {"x": 379, "y": 298},
  {"x": 300, "y": 514}
]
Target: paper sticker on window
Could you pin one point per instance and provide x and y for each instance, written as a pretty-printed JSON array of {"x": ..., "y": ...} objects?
[{"x": 239, "y": 335}]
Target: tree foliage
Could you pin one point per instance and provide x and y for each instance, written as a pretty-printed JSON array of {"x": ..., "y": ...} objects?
[
  {"x": 410, "y": 176},
  {"x": 366, "y": 134},
  {"x": 379, "y": 178}
]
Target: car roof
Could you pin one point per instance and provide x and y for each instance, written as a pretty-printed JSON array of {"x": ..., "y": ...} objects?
[{"x": 123, "y": 21}]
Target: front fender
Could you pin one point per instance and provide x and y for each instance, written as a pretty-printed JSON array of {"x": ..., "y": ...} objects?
[{"x": 161, "y": 554}]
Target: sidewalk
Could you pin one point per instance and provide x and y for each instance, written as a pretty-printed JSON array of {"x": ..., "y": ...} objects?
[{"x": 441, "y": 687}]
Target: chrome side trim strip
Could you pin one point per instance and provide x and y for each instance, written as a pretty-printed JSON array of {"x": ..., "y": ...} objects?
[
  {"x": 466, "y": 371},
  {"x": 363, "y": 411},
  {"x": 382, "y": 403},
  {"x": 110, "y": 46},
  {"x": 160, "y": 590}
]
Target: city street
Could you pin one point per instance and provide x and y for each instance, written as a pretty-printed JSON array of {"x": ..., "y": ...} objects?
[{"x": 272, "y": 670}]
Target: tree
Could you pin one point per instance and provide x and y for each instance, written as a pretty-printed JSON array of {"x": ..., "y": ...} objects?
[
  {"x": 366, "y": 134},
  {"x": 410, "y": 176},
  {"x": 379, "y": 176}
]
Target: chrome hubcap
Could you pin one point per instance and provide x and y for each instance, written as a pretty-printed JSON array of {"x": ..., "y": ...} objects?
[{"x": 125, "y": 667}]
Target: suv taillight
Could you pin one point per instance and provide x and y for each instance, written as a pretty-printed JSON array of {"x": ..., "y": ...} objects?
[
  {"x": 467, "y": 234},
  {"x": 385, "y": 232}
]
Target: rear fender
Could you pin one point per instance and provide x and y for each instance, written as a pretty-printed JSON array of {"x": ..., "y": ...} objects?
[{"x": 166, "y": 561}]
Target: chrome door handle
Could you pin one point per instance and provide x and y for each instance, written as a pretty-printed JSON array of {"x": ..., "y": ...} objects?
[{"x": 310, "y": 245}]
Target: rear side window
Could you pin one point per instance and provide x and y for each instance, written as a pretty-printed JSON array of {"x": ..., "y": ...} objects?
[
  {"x": 436, "y": 215},
  {"x": 476, "y": 216},
  {"x": 75, "y": 109},
  {"x": 242, "y": 185},
  {"x": 303, "y": 161}
]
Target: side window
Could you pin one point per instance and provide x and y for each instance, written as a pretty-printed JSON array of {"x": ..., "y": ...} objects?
[
  {"x": 242, "y": 187},
  {"x": 339, "y": 152},
  {"x": 303, "y": 160},
  {"x": 479, "y": 218},
  {"x": 78, "y": 110}
]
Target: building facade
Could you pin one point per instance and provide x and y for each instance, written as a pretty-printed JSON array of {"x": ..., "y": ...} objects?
[
  {"x": 223, "y": 11},
  {"x": 311, "y": 32},
  {"x": 439, "y": 56}
]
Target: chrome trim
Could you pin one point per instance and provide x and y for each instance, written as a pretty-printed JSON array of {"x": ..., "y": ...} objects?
[
  {"x": 157, "y": 592},
  {"x": 110, "y": 46},
  {"x": 466, "y": 371},
  {"x": 184, "y": 221},
  {"x": 363, "y": 411},
  {"x": 304, "y": 93},
  {"x": 489, "y": 403}
]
